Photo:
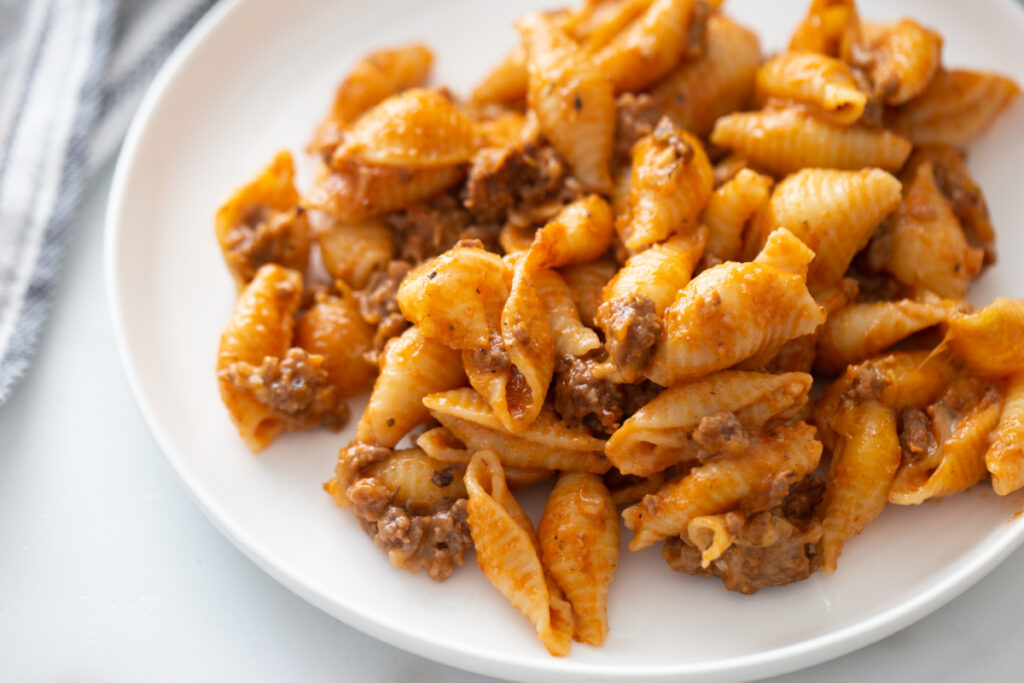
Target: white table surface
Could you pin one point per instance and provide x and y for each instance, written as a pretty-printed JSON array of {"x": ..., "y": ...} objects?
[{"x": 109, "y": 572}]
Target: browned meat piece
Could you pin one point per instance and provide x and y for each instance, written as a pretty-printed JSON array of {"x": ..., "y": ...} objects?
[
  {"x": 636, "y": 116},
  {"x": 435, "y": 542},
  {"x": 631, "y": 327},
  {"x": 965, "y": 197},
  {"x": 355, "y": 458},
  {"x": 916, "y": 434},
  {"x": 378, "y": 306},
  {"x": 264, "y": 236},
  {"x": 427, "y": 229},
  {"x": 516, "y": 180},
  {"x": 867, "y": 384},
  {"x": 294, "y": 387},
  {"x": 721, "y": 433},
  {"x": 494, "y": 357},
  {"x": 582, "y": 399},
  {"x": 770, "y": 548}
]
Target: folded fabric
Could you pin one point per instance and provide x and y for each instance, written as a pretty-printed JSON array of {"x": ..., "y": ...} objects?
[{"x": 71, "y": 75}]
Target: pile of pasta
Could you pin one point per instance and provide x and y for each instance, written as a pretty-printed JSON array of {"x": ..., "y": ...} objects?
[{"x": 620, "y": 264}]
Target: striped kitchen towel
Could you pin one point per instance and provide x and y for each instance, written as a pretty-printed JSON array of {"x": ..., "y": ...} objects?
[{"x": 71, "y": 75}]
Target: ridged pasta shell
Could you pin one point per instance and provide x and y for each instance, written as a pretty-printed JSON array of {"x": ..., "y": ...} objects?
[
  {"x": 864, "y": 462},
  {"x": 713, "y": 324},
  {"x": 670, "y": 184},
  {"x": 923, "y": 244},
  {"x": 418, "y": 128},
  {"x": 413, "y": 365},
  {"x": 261, "y": 325},
  {"x": 373, "y": 79},
  {"x": 833, "y": 212},
  {"x": 956, "y": 107},
  {"x": 659, "y": 434},
  {"x": 721, "y": 81},
  {"x": 783, "y": 141},
  {"x": 649, "y": 47},
  {"x": 860, "y": 331},
  {"x": 823, "y": 82},
  {"x": 723, "y": 483},
  {"x": 1005, "y": 456},
  {"x": 354, "y": 192},
  {"x": 729, "y": 209},
  {"x": 507, "y": 553},
  {"x": 574, "y": 101},
  {"x": 547, "y": 443},
  {"x": 579, "y": 543}
]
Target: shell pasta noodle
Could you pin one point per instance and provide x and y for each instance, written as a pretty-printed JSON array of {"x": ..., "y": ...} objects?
[{"x": 708, "y": 296}]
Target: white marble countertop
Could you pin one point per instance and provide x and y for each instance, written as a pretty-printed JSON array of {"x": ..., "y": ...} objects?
[{"x": 109, "y": 572}]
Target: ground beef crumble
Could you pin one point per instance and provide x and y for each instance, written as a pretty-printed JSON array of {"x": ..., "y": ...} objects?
[
  {"x": 378, "y": 305},
  {"x": 265, "y": 236},
  {"x": 435, "y": 543},
  {"x": 294, "y": 387},
  {"x": 771, "y": 548},
  {"x": 631, "y": 326},
  {"x": 721, "y": 433},
  {"x": 582, "y": 399},
  {"x": 517, "y": 184}
]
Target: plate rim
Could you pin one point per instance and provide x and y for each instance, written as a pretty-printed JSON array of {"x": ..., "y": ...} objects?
[{"x": 775, "y": 661}]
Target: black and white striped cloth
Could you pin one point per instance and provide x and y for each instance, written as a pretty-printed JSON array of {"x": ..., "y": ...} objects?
[{"x": 71, "y": 75}]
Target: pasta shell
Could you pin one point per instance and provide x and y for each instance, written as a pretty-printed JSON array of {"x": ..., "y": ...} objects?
[
  {"x": 261, "y": 325},
  {"x": 373, "y": 79},
  {"x": 416, "y": 129},
  {"x": 648, "y": 48},
  {"x": 833, "y": 212},
  {"x": 859, "y": 331},
  {"x": 923, "y": 245},
  {"x": 956, "y": 107},
  {"x": 783, "y": 141},
  {"x": 413, "y": 365},
  {"x": 457, "y": 297},
  {"x": 421, "y": 485},
  {"x": 507, "y": 553},
  {"x": 574, "y": 101},
  {"x": 698, "y": 92},
  {"x": 261, "y": 223},
  {"x": 354, "y": 192},
  {"x": 864, "y": 463},
  {"x": 814, "y": 79},
  {"x": 959, "y": 462},
  {"x": 505, "y": 83},
  {"x": 353, "y": 252},
  {"x": 712, "y": 325},
  {"x": 728, "y": 210},
  {"x": 333, "y": 328},
  {"x": 670, "y": 185},
  {"x": 988, "y": 339},
  {"x": 1005, "y": 456},
  {"x": 831, "y": 27},
  {"x": 547, "y": 443},
  {"x": 659, "y": 434},
  {"x": 786, "y": 455},
  {"x": 571, "y": 337},
  {"x": 581, "y": 232},
  {"x": 579, "y": 542},
  {"x": 903, "y": 58}
]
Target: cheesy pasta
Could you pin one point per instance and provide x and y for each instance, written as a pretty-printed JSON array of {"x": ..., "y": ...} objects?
[{"x": 611, "y": 270}]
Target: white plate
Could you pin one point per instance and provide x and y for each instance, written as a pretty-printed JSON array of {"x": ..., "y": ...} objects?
[{"x": 257, "y": 76}]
